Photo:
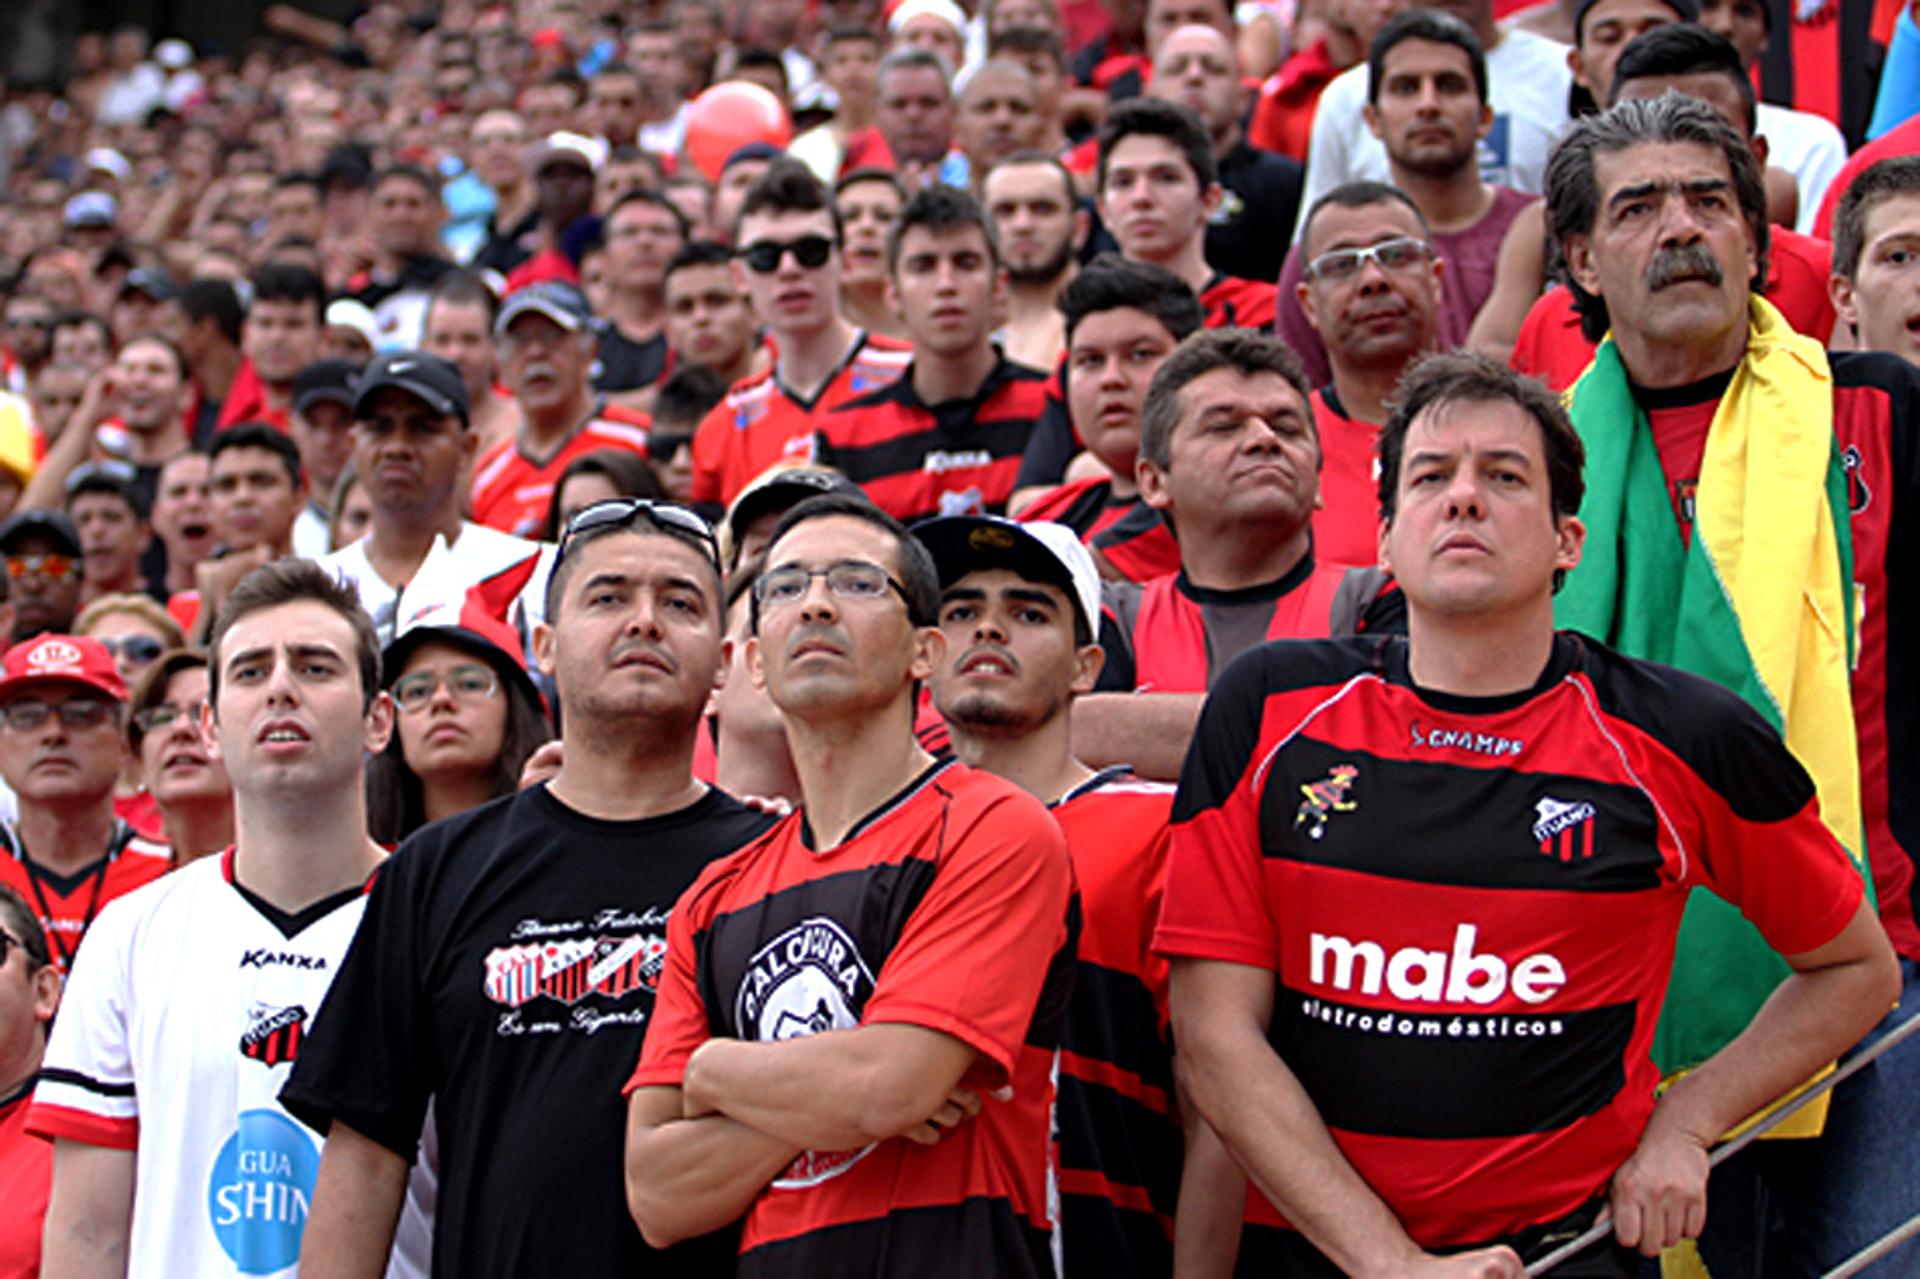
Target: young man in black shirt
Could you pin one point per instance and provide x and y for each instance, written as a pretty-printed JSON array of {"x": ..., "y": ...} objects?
[{"x": 507, "y": 965}]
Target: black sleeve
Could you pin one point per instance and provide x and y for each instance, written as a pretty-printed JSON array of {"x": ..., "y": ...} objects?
[
  {"x": 1052, "y": 445},
  {"x": 1118, "y": 674},
  {"x": 1386, "y": 614},
  {"x": 369, "y": 1060}
]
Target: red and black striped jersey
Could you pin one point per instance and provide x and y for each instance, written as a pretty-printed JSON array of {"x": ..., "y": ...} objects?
[
  {"x": 917, "y": 460},
  {"x": 1119, "y": 1131},
  {"x": 951, "y": 907},
  {"x": 1346, "y": 528},
  {"x": 66, "y": 905},
  {"x": 1124, "y": 533},
  {"x": 1470, "y": 904},
  {"x": 1231, "y": 302},
  {"x": 1170, "y": 636},
  {"x": 512, "y": 490},
  {"x": 761, "y": 423}
]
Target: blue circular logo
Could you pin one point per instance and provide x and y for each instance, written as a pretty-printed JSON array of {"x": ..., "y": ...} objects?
[{"x": 261, "y": 1190}]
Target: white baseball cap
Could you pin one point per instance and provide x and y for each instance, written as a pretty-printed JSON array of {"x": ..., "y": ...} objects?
[{"x": 1041, "y": 551}]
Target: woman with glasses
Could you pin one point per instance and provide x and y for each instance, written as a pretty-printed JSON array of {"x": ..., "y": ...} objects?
[
  {"x": 135, "y": 631},
  {"x": 186, "y": 782},
  {"x": 467, "y": 717}
]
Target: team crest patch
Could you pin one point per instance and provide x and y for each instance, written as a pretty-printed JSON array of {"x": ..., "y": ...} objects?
[
  {"x": 1324, "y": 798},
  {"x": 568, "y": 971},
  {"x": 273, "y": 1035},
  {"x": 1564, "y": 828}
]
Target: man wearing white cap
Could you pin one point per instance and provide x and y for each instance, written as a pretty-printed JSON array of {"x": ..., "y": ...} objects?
[
  {"x": 939, "y": 26},
  {"x": 1020, "y": 606}
]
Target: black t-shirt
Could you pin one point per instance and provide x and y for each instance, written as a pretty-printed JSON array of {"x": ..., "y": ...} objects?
[
  {"x": 506, "y": 969},
  {"x": 626, "y": 365},
  {"x": 1248, "y": 234}
]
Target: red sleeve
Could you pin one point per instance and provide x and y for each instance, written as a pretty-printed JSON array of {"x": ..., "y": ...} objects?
[
  {"x": 679, "y": 1022},
  {"x": 973, "y": 957},
  {"x": 1791, "y": 879},
  {"x": 709, "y": 455}
]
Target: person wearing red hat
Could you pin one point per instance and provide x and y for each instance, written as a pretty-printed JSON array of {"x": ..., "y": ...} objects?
[{"x": 61, "y": 752}]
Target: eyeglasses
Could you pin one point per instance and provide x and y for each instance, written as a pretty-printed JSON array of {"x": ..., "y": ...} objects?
[
  {"x": 763, "y": 256},
  {"x": 618, "y": 512},
  {"x": 136, "y": 649},
  {"x": 853, "y": 580},
  {"x": 1401, "y": 253},
  {"x": 52, "y": 565},
  {"x": 78, "y": 713},
  {"x": 466, "y": 682},
  {"x": 153, "y": 719}
]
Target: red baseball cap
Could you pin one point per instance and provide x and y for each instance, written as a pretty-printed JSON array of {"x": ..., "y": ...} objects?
[{"x": 61, "y": 659}]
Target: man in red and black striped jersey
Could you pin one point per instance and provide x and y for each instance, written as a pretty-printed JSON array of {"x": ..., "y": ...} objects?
[
  {"x": 61, "y": 753},
  {"x": 787, "y": 259},
  {"x": 947, "y": 437},
  {"x": 1424, "y": 892},
  {"x": 1158, "y": 185},
  {"x": 547, "y": 348},
  {"x": 1230, "y": 458},
  {"x": 1372, "y": 292},
  {"x": 848, "y": 1000},
  {"x": 1692, "y": 354},
  {"x": 1018, "y": 605},
  {"x": 1123, "y": 318}
]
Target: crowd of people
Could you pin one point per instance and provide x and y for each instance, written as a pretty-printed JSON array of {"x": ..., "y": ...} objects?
[{"x": 783, "y": 639}]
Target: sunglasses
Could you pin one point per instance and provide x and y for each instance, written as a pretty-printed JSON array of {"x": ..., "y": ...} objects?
[
  {"x": 137, "y": 649},
  {"x": 763, "y": 256},
  {"x": 621, "y": 512},
  {"x": 1399, "y": 254},
  {"x": 52, "y": 565}
]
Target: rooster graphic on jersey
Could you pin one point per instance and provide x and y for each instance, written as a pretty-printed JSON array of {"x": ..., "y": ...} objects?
[{"x": 1325, "y": 798}]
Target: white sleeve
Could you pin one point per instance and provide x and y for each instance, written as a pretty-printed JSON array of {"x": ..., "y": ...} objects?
[{"x": 86, "y": 1090}]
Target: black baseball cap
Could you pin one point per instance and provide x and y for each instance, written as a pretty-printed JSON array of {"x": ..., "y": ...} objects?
[
  {"x": 324, "y": 380},
  {"x": 565, "y": 305},
  {"x": 150, "y": 280},
  {"x": 45, "y": 523},
  {"x": 435, "y": 381}
]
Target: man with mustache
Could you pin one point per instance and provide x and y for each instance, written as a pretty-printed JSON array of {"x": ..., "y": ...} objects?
[
  {"x": 61, "y": 753},
  {"x": 412, "y": 445},
  {"x": 547, "y": 344},
  {"x": 1372, "y": 291},
  {"x": 1745, "y": 490}
]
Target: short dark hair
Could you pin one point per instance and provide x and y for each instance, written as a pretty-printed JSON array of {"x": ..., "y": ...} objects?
[
  {"x": 83, "y": 320},
  {"x": 1029, "y": 155},
  {"x": 1573, "y": 188},
  {"x": 291, "y": 581},
  {"x": 652, "y": 196},
  {"x": 697, "y": 253},
  {"x": 464, "y": 288},
  {"x": 1681, "y": 48},
  {"x": 1200, "y": 354},
  {"x": 162, "y": 340},
  {"x": 1464, "y": 378},
  {"x": 1359, "y": 195},
  {"x": 290, "y": 282},
  {"x": 1434, "y": 27},
  {"x": 214, "y": 300},
  {"x": 870, "y": 173},
  {"x": 299, "y": 178},
  {"x": 848, "y": 33},
  {"x": 1029, "y": 40},
  {"x": 96, "y": 479},
  {"x": 1876, "y": 184},
  {"x": 788, "y": 186},
  {"x": 639, "y": 526},
  {"x": 258, "y": 435},
  {"x": 409, "y": 172},
  {"x": 24, "y": 923},
  {"x": 1156, "y": 117},
  {"x": 1112, "y": 283},
  {"x": 685, "y": 396},
  {"x": 941, "y": 208},
  {"x": 626, "y": 470},
  {"x": 918, "y": 577}
]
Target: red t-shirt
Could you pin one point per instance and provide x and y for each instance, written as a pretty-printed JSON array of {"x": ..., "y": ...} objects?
[
  {"x": 761, "y": 423},
  {"x": 247, "y": 402},
  {"x": 1679, "y": 422},
  {"x": 1282, "y": 118},
  {"x": 1346, "y": 528},
  {"x": 68, "y": 905},
  {"x": 1470, "y": 905},
  {"x": 947, "y": 908},
  {"x": 1230, "y": 301},
  {"x": 26, "y": 1176},
  {"x": 1902, "y": 139},
  {"x": 1126, "y": 535},
  {"x": 512, "y": 491}
]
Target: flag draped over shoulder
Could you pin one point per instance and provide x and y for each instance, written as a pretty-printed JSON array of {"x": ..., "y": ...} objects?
[{"x": 1759, "y": 600}]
